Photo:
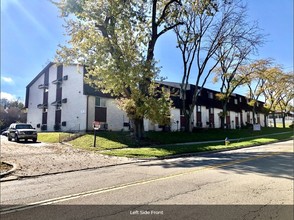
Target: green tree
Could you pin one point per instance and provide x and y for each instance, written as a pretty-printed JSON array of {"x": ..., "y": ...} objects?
[
  {"x": 256, "y": 80},
  {"x": 116, "y": 39},
  {"x": 286, "y": 96},
  {"x": 272, "y": 89}
]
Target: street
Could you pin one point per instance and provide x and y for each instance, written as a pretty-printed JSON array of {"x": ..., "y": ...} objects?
[{"x": 249, "y": 183}]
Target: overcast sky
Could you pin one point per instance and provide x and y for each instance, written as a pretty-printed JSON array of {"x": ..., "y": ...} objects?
[{"x": 31, "y": 31}]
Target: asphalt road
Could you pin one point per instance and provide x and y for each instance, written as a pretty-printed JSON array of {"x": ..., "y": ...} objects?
[{"x": 250, "y": 183}]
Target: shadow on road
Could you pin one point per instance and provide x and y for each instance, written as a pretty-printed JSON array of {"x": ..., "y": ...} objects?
[{"x": 279, "y": 164}]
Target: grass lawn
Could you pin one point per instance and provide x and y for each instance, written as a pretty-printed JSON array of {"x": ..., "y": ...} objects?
[
  {"x": 53, "y": 137},
  {"x": 211, "y": 134},
  {"x": 169, "y": 150},
  {"x": 104, "y": 140},
  {"x": 122, "y": 144}
]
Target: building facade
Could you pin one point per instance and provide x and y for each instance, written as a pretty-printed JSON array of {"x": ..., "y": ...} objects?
[{"x": 59, "y": 99}]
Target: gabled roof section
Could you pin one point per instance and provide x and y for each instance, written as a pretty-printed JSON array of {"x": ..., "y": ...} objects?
[
  {"x": 90, "y": 90},
  {"x": 33, "y": 81},
  {"x": 40, "y": 74},
  {"x": 172, "y": 84}
]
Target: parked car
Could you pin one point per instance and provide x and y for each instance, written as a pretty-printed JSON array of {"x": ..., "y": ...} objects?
[
  {"x": 4, "y": 133},
  {"x": 18, "y": 131}
]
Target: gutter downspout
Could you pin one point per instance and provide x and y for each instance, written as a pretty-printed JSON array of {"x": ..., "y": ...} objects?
[{"x": 87, "y": 114}]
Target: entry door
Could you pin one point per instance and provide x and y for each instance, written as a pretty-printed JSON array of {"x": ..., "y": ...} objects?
[{"x": 100, "y": 114}]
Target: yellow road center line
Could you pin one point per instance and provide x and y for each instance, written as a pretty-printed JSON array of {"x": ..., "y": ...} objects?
[{"x": 126, "y": 185}]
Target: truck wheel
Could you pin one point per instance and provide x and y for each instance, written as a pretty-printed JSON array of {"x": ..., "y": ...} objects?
[
  {"x": 34, "y": 140},
  {"x": 16, "y": 138},
  {"x": 9, "y": 138}
]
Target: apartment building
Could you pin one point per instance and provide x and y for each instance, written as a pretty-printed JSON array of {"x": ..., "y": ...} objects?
[{"x": 59, "y": 99}]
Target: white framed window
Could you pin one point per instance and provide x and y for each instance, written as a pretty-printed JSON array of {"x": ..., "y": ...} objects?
[
  {"x": 100, "y": 102},
  {"x": 210, "y": 95}
]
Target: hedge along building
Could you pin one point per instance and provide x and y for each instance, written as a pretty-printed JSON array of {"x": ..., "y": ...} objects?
[{"x": 59, "y": 99}]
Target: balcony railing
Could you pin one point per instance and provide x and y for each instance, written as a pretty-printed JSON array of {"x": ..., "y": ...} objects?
[
  {"x": 42, "y": 106},
  {"x": 60, "y": 80},
  {"x": 43, "y": 86},
  {"x": 57, "y": 81},
  {"x": 56, "y": 103},
  {"x": 59, "y": 102}
]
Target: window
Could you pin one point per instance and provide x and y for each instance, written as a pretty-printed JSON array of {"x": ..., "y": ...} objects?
[
  {"x": 236, "y": 101},
  {"x": 100, "y": 102},
  {"x": 210, "y": 95},
  {"x": 24, "y": 126}
]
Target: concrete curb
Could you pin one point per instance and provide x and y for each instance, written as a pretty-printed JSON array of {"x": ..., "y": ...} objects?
[{"x": 14, "y": 167}]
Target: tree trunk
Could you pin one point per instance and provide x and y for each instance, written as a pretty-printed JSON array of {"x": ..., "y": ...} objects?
[
  {"x": 265, "y": 120},
  {"x": 188, "y": 122},
  {"x": 253, "y": 115},
  {"x": 139, "y": 128},
  {"x": 274, "y": 119},
  {"x": 284, "y": 120},
  {"x": 223, "y": 116}
]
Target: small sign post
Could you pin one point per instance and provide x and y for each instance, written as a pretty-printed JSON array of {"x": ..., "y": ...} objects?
[{"x": 96, "y": 126}]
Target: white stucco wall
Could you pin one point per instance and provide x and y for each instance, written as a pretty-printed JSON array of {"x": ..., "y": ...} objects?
[
  {"x": 175, "y": 116},
  {"x": 91, "y": 112},
  {"x": 244, "y": 117},
  {"x": 203, "y": 116},
  {"x": 217, "y": 120},
  {"x": 51, "y": 98},
  {"x": 74, "y": 111},
  {"x": 262, "y": 120},
  {"x": 149, "y": 126},
  {"x": 115, "y": 116},
  {"x": 34, "y": 115}
]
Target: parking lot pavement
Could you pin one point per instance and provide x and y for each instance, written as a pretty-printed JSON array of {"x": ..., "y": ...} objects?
[{"x": 34, "y": 159}]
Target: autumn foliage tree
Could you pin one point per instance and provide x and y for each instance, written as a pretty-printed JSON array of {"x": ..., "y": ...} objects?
[
  {"x": 270, "y": 82},
  {"x": 286, "y": 97},
  {"x": 278, "y": 91},
  {"x": 11, "y": 112},
  {"x": 115, "y": 40},
  {"x": 256, "y": 81}
]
